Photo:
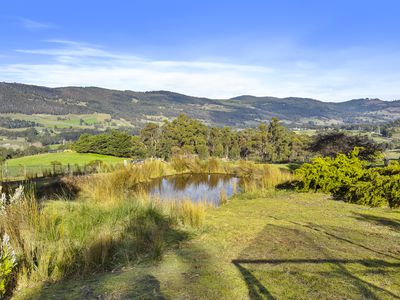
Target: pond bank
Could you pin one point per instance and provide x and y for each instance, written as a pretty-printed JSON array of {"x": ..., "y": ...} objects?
[{"x": 273, "y": 245}]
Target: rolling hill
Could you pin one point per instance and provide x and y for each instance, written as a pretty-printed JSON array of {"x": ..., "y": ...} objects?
[{"x": 140, "y": 107}]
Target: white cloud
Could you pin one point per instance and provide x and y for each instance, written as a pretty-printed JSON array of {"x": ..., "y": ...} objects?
[
  {"x": 34, "y": 25},
  {"x": 81, "y": 64}
]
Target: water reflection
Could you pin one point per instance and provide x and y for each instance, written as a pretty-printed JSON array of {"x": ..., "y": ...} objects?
[{"x": 197, "y": 187}]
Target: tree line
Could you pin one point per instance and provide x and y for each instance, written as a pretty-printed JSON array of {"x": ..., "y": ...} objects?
[{"x": 269, "y": 142}]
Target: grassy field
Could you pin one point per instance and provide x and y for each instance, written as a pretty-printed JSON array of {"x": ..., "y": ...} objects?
[
  {"x": 57, "y": 124},
  {"x": 63, "y": 157},
  {"x": 392, "y": 154},
  {"x": 32, "y": 164},
  {"x": 270, "y": 245},
  {"x": 70, "y": 120}
]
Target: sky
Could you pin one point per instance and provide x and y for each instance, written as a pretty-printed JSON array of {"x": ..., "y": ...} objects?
[{"x": 328, "y": 50}]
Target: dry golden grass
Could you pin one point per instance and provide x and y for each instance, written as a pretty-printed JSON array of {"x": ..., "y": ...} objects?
[
  {"x": 109, "y": 225},
  {"x": 185, "y": 212}
]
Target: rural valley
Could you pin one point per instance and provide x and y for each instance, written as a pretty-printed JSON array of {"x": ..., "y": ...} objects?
[{"x": 199, "y": 150}]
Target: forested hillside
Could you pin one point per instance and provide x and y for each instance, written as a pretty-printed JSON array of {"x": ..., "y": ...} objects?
[{"x": 140, "y": 107}]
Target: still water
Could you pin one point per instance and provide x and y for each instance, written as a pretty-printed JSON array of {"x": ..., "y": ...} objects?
[{"x": 196, "y": 187}]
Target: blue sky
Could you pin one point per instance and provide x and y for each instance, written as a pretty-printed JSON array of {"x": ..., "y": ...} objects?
[{"x": 329, "y": 50}]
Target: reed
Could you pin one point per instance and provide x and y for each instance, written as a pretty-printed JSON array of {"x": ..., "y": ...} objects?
[
  {"x": 62, "y": 238},
  {"x": 258, "y": 177},
  {"x": 118, "y": 185},
  {"x": 193, "y": 164},
  {"x": 234, "y": 187},
  {"x": 114, "y": 187},
  {"x": 108, "y": 225},
  {"x": 223, "y": 198},
  {"x": 184, "y": 212}
]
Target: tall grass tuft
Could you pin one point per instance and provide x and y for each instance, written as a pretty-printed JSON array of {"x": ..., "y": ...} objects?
[
  {"x": 193, "y": 164},
  {"x": 256, "y": 176},
  {"x": 185, "y": 212},
  {"x": 62, "y": 239},
  {"x": 108, "y": 225},
  {"x": 114, "y": 187},
  {"x": 223, "y": 197}
]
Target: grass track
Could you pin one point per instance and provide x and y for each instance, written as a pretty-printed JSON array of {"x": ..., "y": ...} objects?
[{"x": 276, "y": 245}]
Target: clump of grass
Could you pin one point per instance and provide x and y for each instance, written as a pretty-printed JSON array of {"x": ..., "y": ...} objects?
[
  {"x": 108, "y": 225},
  {"x": 223, "y": 197},
  {"x": 272, "y": 175},
  {"x": 185, "y": 212},
  {"x": 259, "y": 177},
  {"x": 214, "y": 165},
  {"x": 63, "y": 239},
  {"x": 178, "y": 163},
  {"x": 193, "y": 164},
  {"x": 234, "y": 187},
  {"x": 114, "y": 187}
]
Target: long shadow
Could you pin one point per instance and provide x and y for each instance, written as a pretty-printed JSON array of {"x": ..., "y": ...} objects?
[
  {"x": 371, "y": 263},
  {"x": 382, "y": 221},
  {"x": 256, "y": 289},
  {"x": 313, "y": 227},
  {"x": 259, "y": 290},
  {"x": 148, "y": 288},
  {"x": 45, "y": 188},
  {"x": 122, "y": 253}
]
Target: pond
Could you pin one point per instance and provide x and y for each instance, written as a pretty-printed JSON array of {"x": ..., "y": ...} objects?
[{"x": 196, "y": 187}]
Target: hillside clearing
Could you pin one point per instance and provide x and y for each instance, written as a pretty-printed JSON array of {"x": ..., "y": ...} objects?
[
  {"x": 272, "y": 245},
  {"x": 69, "y": 120}
]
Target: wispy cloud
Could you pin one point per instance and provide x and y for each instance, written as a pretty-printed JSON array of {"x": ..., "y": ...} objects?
[
  {"x": 33, "y": 24},
  {"x": 74, "y": 63}
]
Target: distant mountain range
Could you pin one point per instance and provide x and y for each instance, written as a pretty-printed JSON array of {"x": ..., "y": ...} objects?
[{"x": 140, "y": 107}]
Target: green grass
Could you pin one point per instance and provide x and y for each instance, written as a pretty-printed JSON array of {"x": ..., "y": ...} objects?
[
  {"x": 69, "y": 120},
  {"x": 63, "y": 157},
  {"x": 16, "y": 168},
  {"x": 309, "y": 132},
  {"x": 392, "y": 154},
  {"x": 271, "y": 245}
]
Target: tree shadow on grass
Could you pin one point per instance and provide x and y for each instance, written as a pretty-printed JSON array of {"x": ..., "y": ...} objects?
[
  {"x": 256, "y": 289},
  {"x": 94, "y": 283},
  {"x": 378, "y": 220},
  {"x": 147, "y": 287},
  {"x": 336, "y": 236},
  {"x": 252, "y": 261},
  {"x": 144, "y": 279}
]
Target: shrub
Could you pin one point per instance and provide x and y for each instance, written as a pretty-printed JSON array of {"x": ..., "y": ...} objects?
[
  {"x": 378, "y": 187},
  {"x": 347, "y": 177},
  {"x": 330, "y": 175}
]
